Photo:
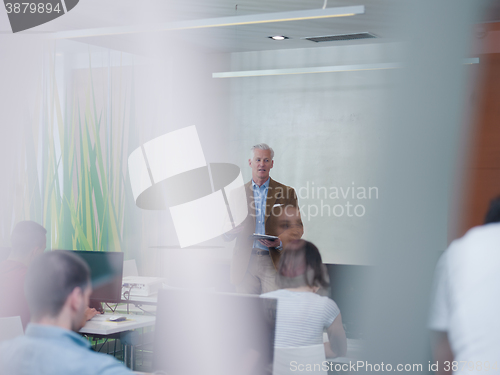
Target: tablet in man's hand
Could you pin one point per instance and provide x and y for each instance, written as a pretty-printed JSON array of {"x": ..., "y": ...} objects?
[{"x": 256, "y": 236}]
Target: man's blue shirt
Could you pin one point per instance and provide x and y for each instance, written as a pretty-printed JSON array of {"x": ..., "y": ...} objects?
[
  {"x": 50, "y": 350},
  {"x": 260, "y": 199}
]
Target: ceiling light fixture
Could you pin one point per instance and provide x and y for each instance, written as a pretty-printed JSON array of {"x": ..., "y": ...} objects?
[
  {"x": 320, "y": 69},
  {"x": 251, "y": 19},
  {"x": 278, "y": 37}
]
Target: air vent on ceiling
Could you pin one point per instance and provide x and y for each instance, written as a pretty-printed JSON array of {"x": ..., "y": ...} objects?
[{"x": 333, "y": 38}]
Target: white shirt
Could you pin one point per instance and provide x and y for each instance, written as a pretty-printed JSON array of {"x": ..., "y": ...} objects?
[
  {"x": 301, "y": 317},
  {"x": 466, "y": 300}
]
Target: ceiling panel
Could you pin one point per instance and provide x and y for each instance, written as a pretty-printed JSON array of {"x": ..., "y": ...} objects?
[{"x": 89, "y": 14}]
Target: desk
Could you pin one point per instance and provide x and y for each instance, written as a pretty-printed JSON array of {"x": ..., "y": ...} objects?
[{"x": 99, "y": 325}]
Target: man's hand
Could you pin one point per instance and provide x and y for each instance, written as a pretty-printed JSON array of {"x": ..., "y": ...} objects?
[
  {"x": 90, "y": 313},
  {"x": 269, "y": 243}
]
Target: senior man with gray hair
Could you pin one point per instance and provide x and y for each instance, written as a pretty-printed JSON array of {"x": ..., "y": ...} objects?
[{"x": 253, "y": 267}]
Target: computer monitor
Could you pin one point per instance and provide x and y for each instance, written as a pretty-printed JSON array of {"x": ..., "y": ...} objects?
[
  {"x": 213, "y": 333},
  {"x": 348, "y": 288},
  {"x": 106, "y": 270}
]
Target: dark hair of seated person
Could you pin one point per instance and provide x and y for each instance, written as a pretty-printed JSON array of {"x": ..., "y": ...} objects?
[
  {"x": 301, "y": 265},
  {"x": 26, "y": 236},
  {"x": 50, "y": 279},
  {"x": 493, "y": 214}
]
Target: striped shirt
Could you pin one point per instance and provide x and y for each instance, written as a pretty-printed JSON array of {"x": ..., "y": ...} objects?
[{"x": 301, "y": 317}]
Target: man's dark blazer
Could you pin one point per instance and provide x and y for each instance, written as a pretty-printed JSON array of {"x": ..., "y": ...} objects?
[{"x": 277, "y": 194}]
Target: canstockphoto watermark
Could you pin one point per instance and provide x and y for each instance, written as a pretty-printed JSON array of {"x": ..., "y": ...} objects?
[
  {"x": 26, "y": 14},
  {"x": 337, "y": 201},
  {"x": 314, "y": 191},
  {"x": 315, "y": 200},
  {"x": 355, "y": 366},
  {"x": 326, "y": 209}
]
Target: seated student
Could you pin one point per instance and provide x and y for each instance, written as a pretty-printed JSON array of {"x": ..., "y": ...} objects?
[
  {"x": 303, "y": 315},
  {"x": 289, "y": 223},
  {"x": 464, "y": 308},
  {"x": 28, "y": 240},
  {"x": 57, "y": 290}
]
